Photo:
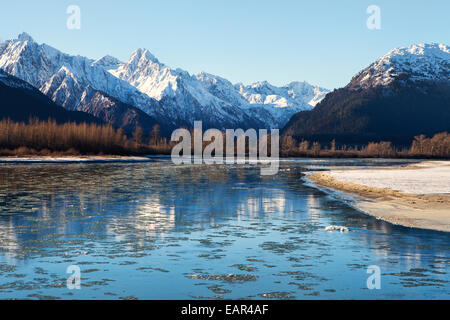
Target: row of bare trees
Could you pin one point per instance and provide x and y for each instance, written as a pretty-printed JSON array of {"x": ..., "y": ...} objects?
[
  {"x": 437, "y": 146},
  {"x": 47, "y": 137}
]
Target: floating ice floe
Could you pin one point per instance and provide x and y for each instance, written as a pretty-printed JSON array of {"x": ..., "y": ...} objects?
[{"x": 336, "y": 228}]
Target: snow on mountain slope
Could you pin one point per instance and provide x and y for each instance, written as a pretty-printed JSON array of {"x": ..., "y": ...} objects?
[
  {"x": 107, "y": 62},
  {"x": 14, "y": 82},
  {"x": 422, "y": 62},
  {"x": 116, "y": 112},
  {"x": 20, "y": 101},
  {"x": 63, "y": 77},
  {"x": 274, "y": 105},
  {"x": 221, "y": 88},
  {"x": 403, "y": 94},
  {"x": 224, "y": 102},
  {"x": 185, "y": 99},
  {"x": 144, "y": 72},
  {"x": 296, "y": 94},
  {"x": 172, "y": 96}
]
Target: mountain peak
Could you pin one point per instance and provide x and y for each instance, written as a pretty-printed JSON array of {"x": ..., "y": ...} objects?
[
  {"x": 172, "y": 95},
  {"x": 107, "y": 62},
  {"x": 24, "y": 37},
  {"x": 418, "y": 62},
  {"x": 260, "y": 84},
  {"x": 143, "y": 54},
  {"x": 401, "y": 95},
  {"x": 430, "y": 50}
]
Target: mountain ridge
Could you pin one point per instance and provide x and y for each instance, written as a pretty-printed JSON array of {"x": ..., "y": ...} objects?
[
  {"x": 171, "y": 96},
  {"x": 402, "y": 94},
  {"x": 20, "y": 101}
]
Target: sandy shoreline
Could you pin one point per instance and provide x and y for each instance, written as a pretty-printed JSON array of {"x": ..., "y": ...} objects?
[{"x": 414, "y": 196}]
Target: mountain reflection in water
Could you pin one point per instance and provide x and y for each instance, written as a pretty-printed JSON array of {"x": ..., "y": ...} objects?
[{"x": 145, "y": 224}]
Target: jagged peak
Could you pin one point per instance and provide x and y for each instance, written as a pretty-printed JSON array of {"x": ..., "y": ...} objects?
[
  {"x": 107, "y": 61},
  {"x": 205, "y": 76},
  {"x": 304, "y": 85},
  {"x": 143, "y": 54},
  {"x": 299, "y": 85},
  {"x": 260, "y": 84},
  {"x": 24, "y": 37}
]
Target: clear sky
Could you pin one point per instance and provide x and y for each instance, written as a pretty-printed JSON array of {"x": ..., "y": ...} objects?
[{"x": 322, "y": 42}]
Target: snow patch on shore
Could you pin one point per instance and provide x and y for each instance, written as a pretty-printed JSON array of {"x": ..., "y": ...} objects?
[{"x": 430, "y": 177}]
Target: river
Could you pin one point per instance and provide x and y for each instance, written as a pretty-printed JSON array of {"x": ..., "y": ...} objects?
[{"x": 153, "y": 230}]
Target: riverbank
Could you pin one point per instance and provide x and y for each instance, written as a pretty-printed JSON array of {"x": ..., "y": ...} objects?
[
  {"x": 72, "y": 159},
  {"x": 417, "y": 195}
]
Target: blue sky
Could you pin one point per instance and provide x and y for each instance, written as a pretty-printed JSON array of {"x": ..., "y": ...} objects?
[{"x": 322, "y": 42}]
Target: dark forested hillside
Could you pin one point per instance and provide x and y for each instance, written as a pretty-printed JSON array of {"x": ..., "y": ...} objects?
[
  {"x": 395, "y": 113},
  {"x": 20, "y": 102}
]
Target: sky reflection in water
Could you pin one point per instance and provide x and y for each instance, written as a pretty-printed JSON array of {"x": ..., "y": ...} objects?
[{"x": 156, "y": 231}]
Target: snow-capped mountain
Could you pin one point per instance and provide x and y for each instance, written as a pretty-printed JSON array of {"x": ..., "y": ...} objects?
[
  {"x": 281, "y": 102},
  {"x": 295, "y": 94},
  {"x": 63, "y": 77},
  {"x": 183, "y": 97},
  {"x": 20, "y": 101},
  {"x": 116, "y": 112},
  {"x": 422, "y": 62},
  {"x": 78, "y": 83},
  {"x": 171, "y": 96},
  {"x": 107, "y": 62},
  {"x": 402, "y": 94},
  {"x": 211, "y": 98},
  {"x": 263, "y": 101}
]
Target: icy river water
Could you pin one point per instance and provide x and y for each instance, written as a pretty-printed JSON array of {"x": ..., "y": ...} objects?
[{"x": 153, "y": 230}]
